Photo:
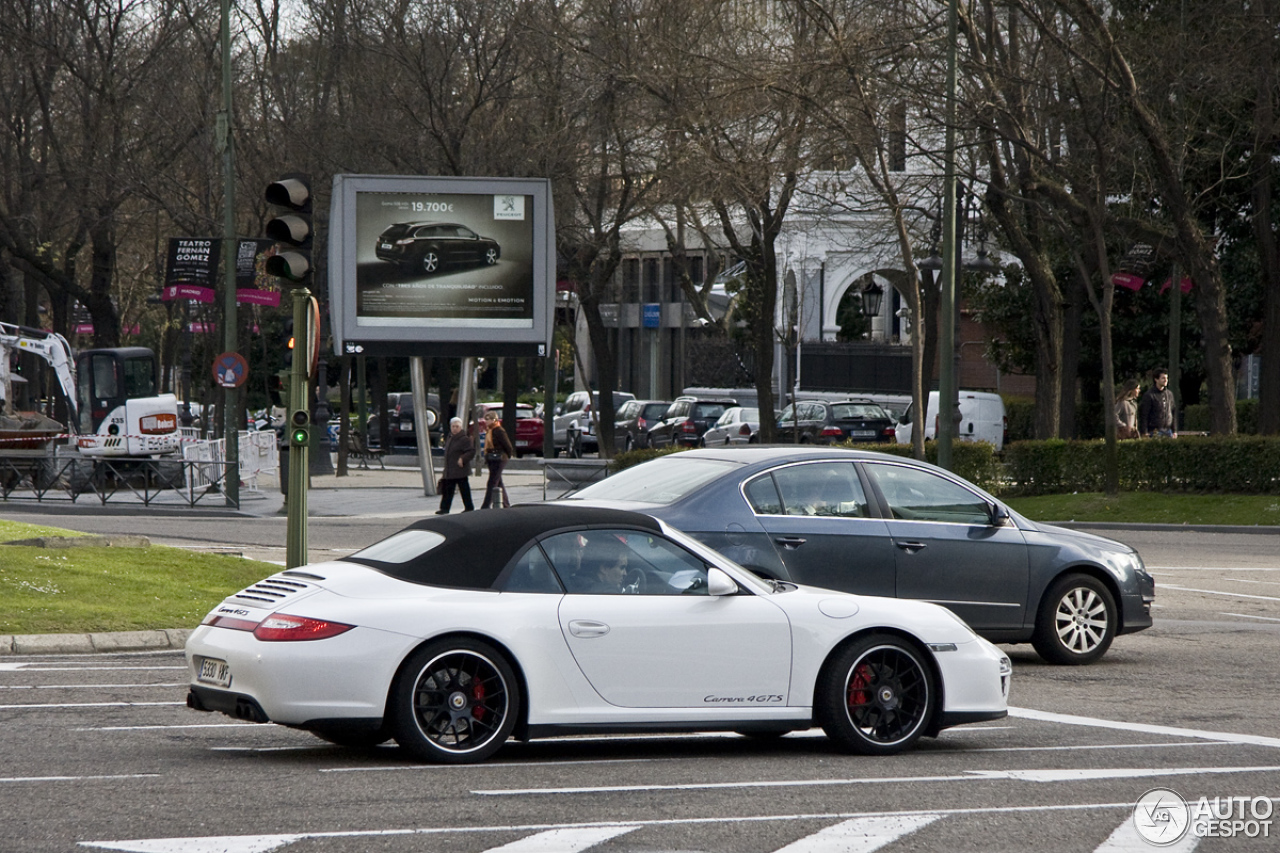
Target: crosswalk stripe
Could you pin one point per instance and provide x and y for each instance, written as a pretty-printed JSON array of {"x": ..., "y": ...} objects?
[
  {"x": 1126, "y": 839},
  {"x": 563, "y": 840},
  {"x": 860, "y": 835}
]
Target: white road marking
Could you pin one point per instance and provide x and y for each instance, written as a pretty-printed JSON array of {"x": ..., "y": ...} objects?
[
  {"x": 1245, "y": 580},
  {"x": 564, "y": 840},
  {"x": 1251, "y": 616},
  {"x": 1077, "y": 747},
  {"x": 488, "y": 765},
  {"x": 1068, "y": 775},
  {"x": 266, "y": 843},
  {"x": 1216, "y": 592},
  {"x": 19, "y": 779},
  {"x": 90, "y": 705},
  {"x": 188, "y": 726},
  {"x": 1127, "y": 840},
  {"x": 1212, "y": 569},
  {"x": 1146, "y": 728},
  {"x": 35, "y": 666},
  {"x": 84, "y": 686},
  {"x": 860, "y": 835}
]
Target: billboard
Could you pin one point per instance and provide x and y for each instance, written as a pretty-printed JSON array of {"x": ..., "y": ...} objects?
[{"x": 441, "y": 266}]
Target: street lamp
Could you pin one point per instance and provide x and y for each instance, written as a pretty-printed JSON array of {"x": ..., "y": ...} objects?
[{"x": 872, "y": 296}]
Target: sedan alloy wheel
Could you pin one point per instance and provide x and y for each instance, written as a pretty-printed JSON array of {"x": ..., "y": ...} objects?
[
  {"x": 1077, "y": 621},
  {"x": 430, "y": 261}
]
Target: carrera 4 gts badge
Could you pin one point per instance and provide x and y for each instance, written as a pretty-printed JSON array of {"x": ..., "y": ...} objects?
[{"x": 761, "y": 699}]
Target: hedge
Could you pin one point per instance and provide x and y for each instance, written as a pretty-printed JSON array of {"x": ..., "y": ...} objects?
[
  {"x": 1241, "y": 464},
  {"x": 976, "y": 461}
]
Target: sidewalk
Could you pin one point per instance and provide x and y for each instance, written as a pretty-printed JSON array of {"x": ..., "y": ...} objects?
[{"x": 397, "y": 491}]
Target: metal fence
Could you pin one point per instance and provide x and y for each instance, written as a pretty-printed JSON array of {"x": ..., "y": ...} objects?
[{"x": 198, "y": 478}]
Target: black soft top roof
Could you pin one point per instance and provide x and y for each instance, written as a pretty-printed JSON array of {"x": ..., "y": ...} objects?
[{"x": 479, "y": 545}]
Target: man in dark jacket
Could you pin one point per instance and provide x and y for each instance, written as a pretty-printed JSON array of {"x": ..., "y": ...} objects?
[
  {"x": 458, "y": 451},
  {"x": 1157, "y": 409}
]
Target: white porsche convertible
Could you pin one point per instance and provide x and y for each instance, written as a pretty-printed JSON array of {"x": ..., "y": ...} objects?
[{"x": 462, "y": 631}]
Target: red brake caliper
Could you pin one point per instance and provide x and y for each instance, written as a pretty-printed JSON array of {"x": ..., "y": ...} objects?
[
  {"x": 477, "y": 697},
  {"x": 858, "y": 686}
]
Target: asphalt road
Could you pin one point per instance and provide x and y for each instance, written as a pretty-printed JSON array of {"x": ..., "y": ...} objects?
[{"x": 98, "y": 752}]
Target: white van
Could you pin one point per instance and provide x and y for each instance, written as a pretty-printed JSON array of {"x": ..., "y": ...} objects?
[{"x": 982, "y": 418}]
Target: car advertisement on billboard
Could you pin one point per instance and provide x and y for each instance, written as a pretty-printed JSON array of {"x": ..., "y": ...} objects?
[
  {"x": 441, "y": 262},
  {"x": 444, "y": 259}
]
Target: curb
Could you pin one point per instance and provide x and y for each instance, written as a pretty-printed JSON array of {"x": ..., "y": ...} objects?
[
  {"x": 1167, "y": 528},
  {"x": 99, "y": 643}
]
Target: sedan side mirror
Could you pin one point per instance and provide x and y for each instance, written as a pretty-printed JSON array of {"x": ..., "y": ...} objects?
[
  {"x": 999, "y": 515},
  {"x": 719, "y": 583}
]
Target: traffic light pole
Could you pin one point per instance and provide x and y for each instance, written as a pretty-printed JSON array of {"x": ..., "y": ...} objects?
[{"x": 299, "y": 468}]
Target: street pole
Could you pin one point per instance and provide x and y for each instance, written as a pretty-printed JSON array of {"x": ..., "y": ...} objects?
[
  {"x": 230, "y": 419},
  {"x": 299, "y": 469},
  {"x": 948, "y": 398}
]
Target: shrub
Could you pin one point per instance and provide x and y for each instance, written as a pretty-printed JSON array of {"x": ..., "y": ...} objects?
[
  {"x": 1249, "y": 465},
  {"x": 628, "y": 458}
]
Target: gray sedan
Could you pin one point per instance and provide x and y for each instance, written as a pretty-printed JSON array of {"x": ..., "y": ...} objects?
[{"x": 876, "y": 524}]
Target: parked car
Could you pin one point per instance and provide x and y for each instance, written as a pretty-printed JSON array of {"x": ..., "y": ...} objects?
[
  {"x": 575, "y": 423},
  {"x": 407, "y": 640},
  {"x": 687, "y": 419},
  {"x": 527, "y": 436},
  {"x": 738, "y": 425},
  {"x": 428, "y": 247},
  {"x": 870, "y": 523},
  {"x": 631, "y": 422},
  {"x": 401, "y": 422},
  {"x": 820, "y": 422},
  {"x": 982, "y": 418}
]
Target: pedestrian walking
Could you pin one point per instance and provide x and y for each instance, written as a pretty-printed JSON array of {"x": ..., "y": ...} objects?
[
  {"x": 1126, "y": 410},
  {"x": 459, "y": 450},
  {"x": 1157, "y": 411},
  {"x": 497, "y": 450}
]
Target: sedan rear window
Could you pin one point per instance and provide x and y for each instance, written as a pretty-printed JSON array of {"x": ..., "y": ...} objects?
[{"x": 661, "y": 481}]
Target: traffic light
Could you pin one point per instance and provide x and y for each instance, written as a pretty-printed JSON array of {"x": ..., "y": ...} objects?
[
  {"x": 299, "y": 433},
  {"x": 287, "y": 338},
  {"x": 292, "y": 229}
]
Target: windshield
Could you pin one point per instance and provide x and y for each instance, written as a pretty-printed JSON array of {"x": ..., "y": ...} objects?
[{"x": 660, "y": 481}]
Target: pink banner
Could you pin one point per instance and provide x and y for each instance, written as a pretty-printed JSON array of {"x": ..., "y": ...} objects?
[
  {"x": 1186, "y": 285},
  {"x": 1127, "y": 279},
  {"x": 249, "y": 296},
  {"x": 194, "y": 292}
]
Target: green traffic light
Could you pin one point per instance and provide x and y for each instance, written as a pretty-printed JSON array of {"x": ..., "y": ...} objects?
[{"x": 299, "y": 436}]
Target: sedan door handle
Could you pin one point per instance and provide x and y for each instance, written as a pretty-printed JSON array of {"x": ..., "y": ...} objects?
[
  {"x": 790, "y": 542},
  {"x": 911, "y": 547},
  {"x": 586, "y": 628}
]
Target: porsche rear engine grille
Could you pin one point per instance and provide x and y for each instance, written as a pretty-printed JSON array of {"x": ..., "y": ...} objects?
[{"x": 272, "y": 590}]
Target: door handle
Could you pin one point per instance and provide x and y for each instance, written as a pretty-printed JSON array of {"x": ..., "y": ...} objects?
[
  {"x": 790, "y": 542},
  {"x": 586, "y": 628},
  {"x": 911, "y": 547}
]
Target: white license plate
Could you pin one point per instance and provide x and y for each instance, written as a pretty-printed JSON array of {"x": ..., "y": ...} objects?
[
  {"x": 214, "y": 671},
  {"x": 406, "y": 426},
  {"x": 862, "y": 433},
  {"x": 386, "y": 245}
]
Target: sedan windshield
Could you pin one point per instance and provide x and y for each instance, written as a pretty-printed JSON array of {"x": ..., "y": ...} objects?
[{"x": 661, "y": 481}]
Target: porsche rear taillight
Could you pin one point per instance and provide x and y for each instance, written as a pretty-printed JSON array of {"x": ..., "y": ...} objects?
[{"x": 282, "y": 627}]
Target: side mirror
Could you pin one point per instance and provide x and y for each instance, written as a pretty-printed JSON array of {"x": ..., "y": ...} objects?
[
  {"x": 719, "y": 583},
  {"x": 999, "y": 515}
]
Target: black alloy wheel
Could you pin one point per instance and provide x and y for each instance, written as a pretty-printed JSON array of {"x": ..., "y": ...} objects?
[
  {"x": 876, "y": 696},
  {"x": 455, "y": 702}
]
